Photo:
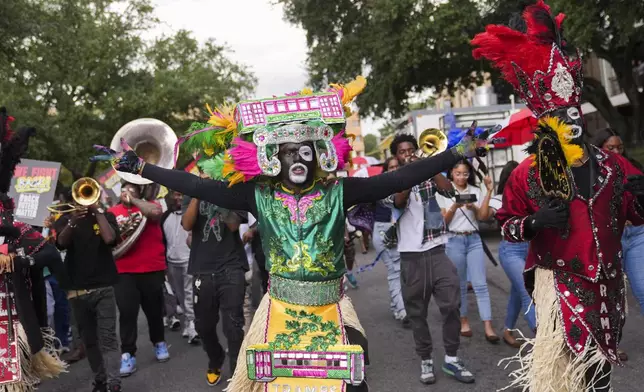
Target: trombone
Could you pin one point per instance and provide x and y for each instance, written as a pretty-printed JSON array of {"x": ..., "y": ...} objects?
[
  {"x": 85, "y": 192},
  {"x": 430, "y": 142}
]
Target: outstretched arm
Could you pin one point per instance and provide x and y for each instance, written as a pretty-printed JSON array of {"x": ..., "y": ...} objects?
[
  {"x": 237, "y": 197},
  {"x": 366, "y": 190}
]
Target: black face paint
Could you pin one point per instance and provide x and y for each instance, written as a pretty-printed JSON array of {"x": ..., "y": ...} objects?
[
  {"x": 573, "y": 117},
  {"x": 298, "y": 164}
]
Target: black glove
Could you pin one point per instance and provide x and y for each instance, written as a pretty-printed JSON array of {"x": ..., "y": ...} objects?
[
  {"x": 472, "y": 146},
  {"x": 125, "y": 161},
  {"x": 635, "y": 185},
  {"x": 9, "y": 231},
  {"x": 23, "y": 262},
  {"x": 554, "y": 216}
]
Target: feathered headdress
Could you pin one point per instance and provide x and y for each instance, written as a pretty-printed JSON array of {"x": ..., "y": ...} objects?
[
  {"x": 240, "y": 142},
  {"x": 535, "y": 61},
  {"x": 14, "y": 146}
]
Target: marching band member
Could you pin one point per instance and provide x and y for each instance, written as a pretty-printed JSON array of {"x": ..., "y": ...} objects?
[
  {"x": 141, "y": 278},
  {"x": 87, "y": 235}
]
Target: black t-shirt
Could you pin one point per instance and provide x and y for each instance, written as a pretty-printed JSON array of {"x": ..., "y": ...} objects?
[
  {"x": 582, "y": 175},
  {"x": 214, "y": 246},
  {"x": 89, "y": 262}
]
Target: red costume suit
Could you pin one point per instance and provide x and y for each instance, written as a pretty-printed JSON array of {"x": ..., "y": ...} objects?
[
  {"x": 587, "y": 257},
  {"x": 571, "y": 201},
  {"x": 27, "y": 352}
]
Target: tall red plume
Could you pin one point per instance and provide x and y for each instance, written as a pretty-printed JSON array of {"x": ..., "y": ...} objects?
[
  {"x": 541, "y": 47},
  {"x": 504, "y": 46}
]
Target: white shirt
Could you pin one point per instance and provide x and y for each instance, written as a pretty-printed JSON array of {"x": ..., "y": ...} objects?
[
  {"x": 177, "y": 250},
  {"x": 411, "y": 227},
  {"x": 464, "y": 219},
  {"x": 496, "y": 202}
]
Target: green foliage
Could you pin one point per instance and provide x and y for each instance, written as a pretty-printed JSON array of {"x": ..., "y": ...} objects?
[
  {"x": 613, "y": 31},
  {"x": 371, "y": 145},
  {"x": 81, "y": 70},
  {"x": 408, "y": 46}
]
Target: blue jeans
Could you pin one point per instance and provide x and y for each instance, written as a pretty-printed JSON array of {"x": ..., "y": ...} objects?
[
  {"x": 466, "y": 252},
  {"x": 633, "y": 245},
  {"x": 61, "y": 311},
  {"x": 391, "y": 258},
  {"x": 512, "y": 257}
]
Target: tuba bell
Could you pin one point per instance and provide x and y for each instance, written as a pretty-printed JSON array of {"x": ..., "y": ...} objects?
[
  {"x": 431, "y": 141},
  {"x": 153, "y": 141}
]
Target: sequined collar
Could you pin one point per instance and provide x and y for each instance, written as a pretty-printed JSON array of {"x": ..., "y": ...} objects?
[{"x": 305, "y": 190}]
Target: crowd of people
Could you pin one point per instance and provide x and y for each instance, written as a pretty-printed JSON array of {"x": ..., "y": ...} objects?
[{"x": 267, "y": 200}]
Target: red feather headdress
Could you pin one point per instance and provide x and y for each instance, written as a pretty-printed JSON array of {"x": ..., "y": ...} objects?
[{"x": 535, "y": 61}]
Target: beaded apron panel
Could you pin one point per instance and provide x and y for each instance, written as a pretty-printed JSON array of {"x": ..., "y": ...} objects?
[
  {"x": 306, "y": 349},
  {"x": 10, "y": 370},
  {"x": 592, "y": 313}
]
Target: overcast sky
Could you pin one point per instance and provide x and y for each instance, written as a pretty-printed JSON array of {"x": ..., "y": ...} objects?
[{"x": 257, "y": 34}]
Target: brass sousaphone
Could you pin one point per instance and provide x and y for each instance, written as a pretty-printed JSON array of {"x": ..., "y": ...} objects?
[{"x": 154, "y": 142}]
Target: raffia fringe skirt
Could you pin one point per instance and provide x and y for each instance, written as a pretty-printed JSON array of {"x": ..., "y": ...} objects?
[
  {"x": 44, "y": 364},
  {"x": 550, "y": 366},
  {"x": 256, "y": 333}
]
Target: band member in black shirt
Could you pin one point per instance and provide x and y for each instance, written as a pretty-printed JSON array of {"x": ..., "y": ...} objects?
[
  {"x": 88, "y": 235},
  {"x": 218, "y": 264}
]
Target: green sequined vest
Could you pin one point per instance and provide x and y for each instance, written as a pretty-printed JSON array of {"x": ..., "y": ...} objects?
[{"x": 303, "y": 235}]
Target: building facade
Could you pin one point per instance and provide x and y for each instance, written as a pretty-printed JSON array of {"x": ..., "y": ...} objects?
[{"x": 355, "y": 129}]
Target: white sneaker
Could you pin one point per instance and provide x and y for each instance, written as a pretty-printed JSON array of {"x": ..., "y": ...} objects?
[
  {"x": 191, "y": 332},
  {"x": 175, "y": 324},
  {"x": 190, "y": 327}
]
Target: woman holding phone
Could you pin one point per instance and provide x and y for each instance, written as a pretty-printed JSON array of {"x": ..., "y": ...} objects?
[
  {"x": 462, "y": 214},
  {"x": 512, "y": 256}
]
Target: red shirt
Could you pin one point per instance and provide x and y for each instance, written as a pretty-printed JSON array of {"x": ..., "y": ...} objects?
[{"x": 147, "y": 254}]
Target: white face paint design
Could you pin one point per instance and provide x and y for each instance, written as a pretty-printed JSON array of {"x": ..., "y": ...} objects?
[
  {"x": 306, "y": 153},
  {"x": 297, "y": 173},
  {"x": 576, "y": 130}
]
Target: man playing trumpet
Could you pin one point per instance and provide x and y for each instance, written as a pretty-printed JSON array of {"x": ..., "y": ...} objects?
[{"x": 88, "y": 234}]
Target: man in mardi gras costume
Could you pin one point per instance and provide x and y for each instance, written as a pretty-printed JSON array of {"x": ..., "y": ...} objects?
[
  {"x": 570, "y": 200},
  {"x": 305, "y": 333},
  {"x": 27, "y": 352}
]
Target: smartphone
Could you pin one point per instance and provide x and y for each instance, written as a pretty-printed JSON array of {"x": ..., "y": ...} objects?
[{"x": 466, "y": 198}]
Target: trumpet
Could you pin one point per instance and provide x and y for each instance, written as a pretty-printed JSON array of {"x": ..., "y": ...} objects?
[
  {"x": 431, "y": 141},
  {"x": 85, "y": 192}
]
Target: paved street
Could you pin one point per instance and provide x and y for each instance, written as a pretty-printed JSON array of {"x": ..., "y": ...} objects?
[{"x": 394, "y": 365}]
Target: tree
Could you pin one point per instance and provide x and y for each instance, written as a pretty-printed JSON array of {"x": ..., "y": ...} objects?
[
  {"x": 613, "y": 31},
  {"x": 408, "y": 46},
  {"x": 404, "y": 46},
  {"x": 86, "y": 71},
  {"x": 371, "y": 145}
]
